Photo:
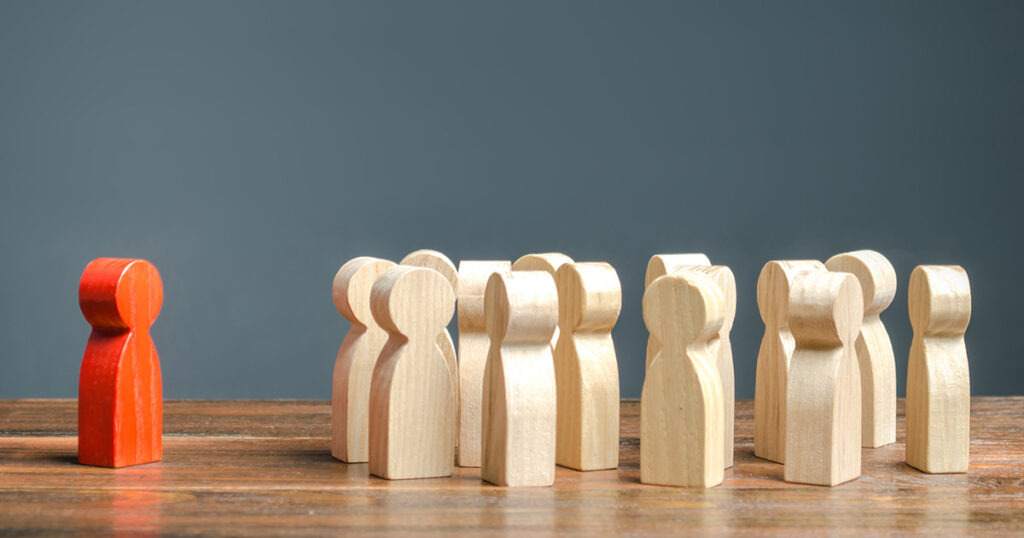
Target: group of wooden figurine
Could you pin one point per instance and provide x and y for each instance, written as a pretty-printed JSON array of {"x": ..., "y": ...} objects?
[{"x": 535, "y": 380}]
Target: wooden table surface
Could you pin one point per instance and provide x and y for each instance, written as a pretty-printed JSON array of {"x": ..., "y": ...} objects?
[{"x": 263, "y": 468}]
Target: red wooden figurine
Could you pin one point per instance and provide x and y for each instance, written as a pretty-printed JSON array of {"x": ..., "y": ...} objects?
[{"x": 120, "y": 399}]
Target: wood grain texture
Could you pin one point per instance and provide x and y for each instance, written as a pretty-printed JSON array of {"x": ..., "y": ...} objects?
[
  {"x": 120, "y": 394},
  {"x": 519, "y": 419},
  {"x": 412, "y": 399},
  {"x": 938, "y": 377},
  {"x": 721, "y": 346},
  {"x": 777, "y": 346},
  {"x": 586, "y": 369},
  {"x": 681, "y": 420},
  {"x": 658, "y": 266},
  {"x": 823, "y": 405},
  {"x": 353, "y": 366},
  {"x": 263, "y": 468},
  {"x": 549, "y": 262},
  {"x": 432, "y": 259},
  {"x": 877, "y": 362},
  {"x": 474, "y": 345}
]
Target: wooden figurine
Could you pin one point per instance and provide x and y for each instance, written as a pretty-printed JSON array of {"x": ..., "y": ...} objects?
[
  {"x": 874, "y": 350},
  {"x": 353, "y": 367},
  {"x": 721, "y": 347},
  {"x": 586, "y": 371},
  {"x": 412, "y": 402},
  {"x": 681, "y": 410},
  {"x": 938, "y": 402},
  {"x": 549, "y": 263},
  {"x": 823, "y": 394},
  {"x": 519, "y": 418},
  {"x": 473, "y": 349},
  {"x": 120, "y": 396},
  {"x": 773, "y": 287},
  {"x": 432, "y": 259},
  {"x": 658, "y": 266}
]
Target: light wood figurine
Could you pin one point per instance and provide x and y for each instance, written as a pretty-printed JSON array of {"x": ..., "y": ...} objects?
[
  {"x": 120, "y": 394},
  {"x": 823, "y": 397},
  {"x": 353, "y": 366},
  {"x": 721, "y": 347},
  {"x": 473, "y": 348},
  {"x": 658, "y": 266},
  {"x": 586, "y": 371},
  {"x": 773, "y": 287},
  {"x": 549, "y": 263},
  {"x": 432, "y": 259},
  {"x": 874, "y": 350},
  {"x": 519, "y": 417},
  {"x": 681, "y": 411},
  {"x": 938, "y": 379},
  {"x": 412, "y": 403}
]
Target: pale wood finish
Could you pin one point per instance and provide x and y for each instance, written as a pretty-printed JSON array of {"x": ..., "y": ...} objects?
[
  {"x": 586, "y": 371},
  {"x": 658, "y": 266},
  {"x": 412, "y": 399},
  {"x": 432, "y": 259},
  {"x": 721, "y": 347},
  {"x": 474, "y": 345},
  {"x": 519, "y": 400},
  {"x": 549, "y": 262},
  {"x": 938, "y": 378},
  {"x": 681, "y": 411},
  {"x": 773, "y": 286},
  {"x": 263, "y": 468},
  {"x": 823, "y": 405},
  {"x": 353, "y": 366},
  {"x": 877, "y": 279}
]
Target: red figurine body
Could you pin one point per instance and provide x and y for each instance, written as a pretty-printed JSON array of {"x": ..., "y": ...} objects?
[{"x": 120, "y": 398}]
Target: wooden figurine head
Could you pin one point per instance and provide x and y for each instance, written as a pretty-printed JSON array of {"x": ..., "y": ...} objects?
[
  {"x": 472, "y": 286},
  {"x": 826, "y": 309},
  {"x": 548, "y": 262},
  {"x": 939, "y": 300},
  {"x": 773, "y": 287},
  {"x": 876, "y": 275},
  {"x": 683, "y": 308},
  {"x": 432, "y": 259},
  {"x": 521, "y": 308},
  {"x": 725, "y": 279},
  {"x": 589, "y": 297},
  {"x": 665, "y": 264},
  {"x": 352, "y": 284},
  {"x": 120, "y": 294},
  {"x": 412, "y": 301}
]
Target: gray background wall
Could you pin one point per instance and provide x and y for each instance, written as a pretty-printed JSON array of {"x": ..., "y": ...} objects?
[{"x": 249, "y": 149}]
